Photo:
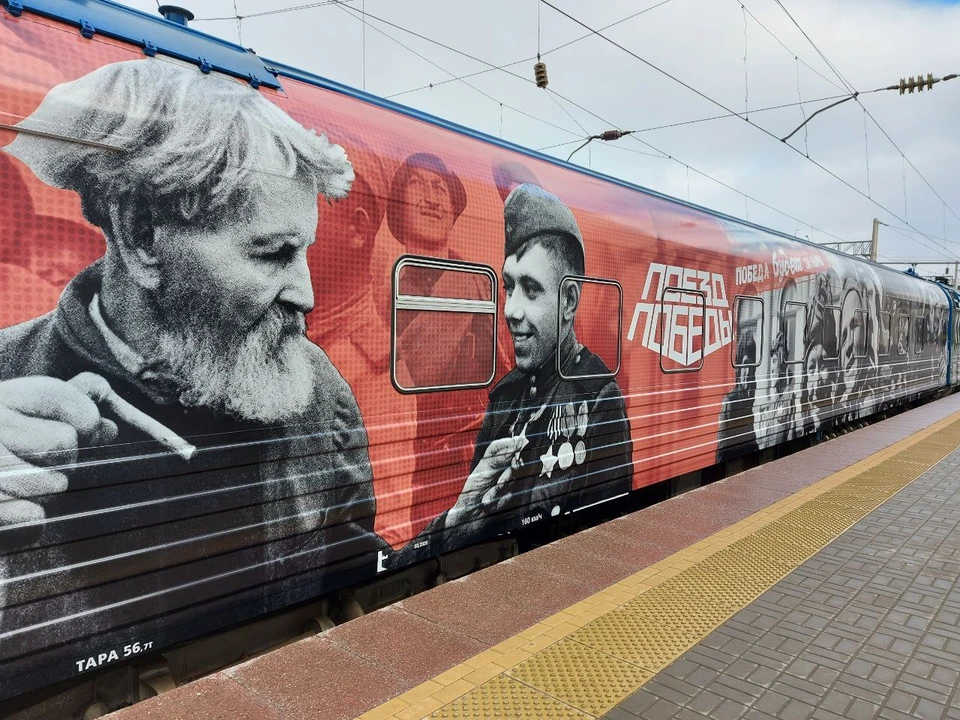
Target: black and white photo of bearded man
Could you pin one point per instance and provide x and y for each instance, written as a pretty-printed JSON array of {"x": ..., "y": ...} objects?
[{"x": 170, "y": 419}]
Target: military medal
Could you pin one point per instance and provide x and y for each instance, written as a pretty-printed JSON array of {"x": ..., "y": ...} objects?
[
  {"x": 548, "y": 459},
  {"x": 583, "y": 419},
  {"x": 580, "y": 452},
  {"x": 565, "y": 455},
  {"x": 522, "y": 440}
]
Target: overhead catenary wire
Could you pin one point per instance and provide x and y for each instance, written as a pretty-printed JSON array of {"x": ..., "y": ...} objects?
[
  {"x": 491, "y": 67},
  {"x": 899, "y": 231},
  {"x": 721, "y": 105},
  {"x": 568, "y": 113},
  {"x": 239, "y": 23},
  {"x": 665, "y": 156},
  {"x": 850, "y": 88},
  {"x": 681, "y": 123},
  {"x": 917, "y": 232},
  {"x": 853, "y": 90},
  {"x": 352, "y": 12},
  {"x": 494, "y": 68},
  {"x": 275, "y": 11},
  {"x": 781, "y": 43},
  {"x": 746, "y": 77},
  {"x": 866, "y": 150},
  {"x": 660, "y": 153},
  {"x": 806, "y": 135}
]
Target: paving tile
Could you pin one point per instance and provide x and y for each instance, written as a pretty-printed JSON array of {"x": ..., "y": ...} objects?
[
  {"x": 215, "y": 697},
  {"x": 408, "y": 645},
  {"x": 498, "y": 602},
  {"x": 728, "y": 710},
  {"x": 855, "y": 632},
  {"x": 866, "y": 628},
  {"x": 596, "y": 560},
  {"x": 306, "y": 680}
]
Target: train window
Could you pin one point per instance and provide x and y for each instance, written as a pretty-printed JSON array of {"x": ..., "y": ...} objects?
[
  {"x": 919, "y": 335},
  {"x": 859, "y": 330},
  {"x": 884, "y": 339},
  {"x": 830, "y": 329},
  {"x": 444, "y": 333},
  {"x": 681, "y": 329},
  {"x": 598, "y": 324},
  {"x": 903, "y": 334},
  {"x": 747, "y": 346},
  {"x": 794, "y": 325}
]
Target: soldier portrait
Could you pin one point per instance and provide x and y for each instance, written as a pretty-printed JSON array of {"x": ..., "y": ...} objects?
[{"x": 555, "y": 431}]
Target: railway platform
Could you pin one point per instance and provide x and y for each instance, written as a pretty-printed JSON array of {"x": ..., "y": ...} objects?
[{"x": 822, "y": 585}]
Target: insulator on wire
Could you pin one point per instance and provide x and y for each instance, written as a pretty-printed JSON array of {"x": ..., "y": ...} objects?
[
  {"x": 918, "y": 83},
  {"x": 540, "y": 74}
]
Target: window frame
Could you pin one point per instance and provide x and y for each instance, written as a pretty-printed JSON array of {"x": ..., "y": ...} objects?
[
  {"x": 806, "y": 309},
  {"x": 736, "y": 333},
  {"x": 435, "y": 304},
  {"x": 919, "y": 332},
  {"x": 889, "y": 332},
  {"x": 703, "y": 305},
  {"x": 597, "y": 281}
]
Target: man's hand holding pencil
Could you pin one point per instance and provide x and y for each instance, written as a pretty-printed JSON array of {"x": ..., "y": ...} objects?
[{"x": 43, "y": 423}]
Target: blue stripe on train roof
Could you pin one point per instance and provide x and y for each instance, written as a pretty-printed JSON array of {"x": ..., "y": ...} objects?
[{"x": 126, "y": 23}]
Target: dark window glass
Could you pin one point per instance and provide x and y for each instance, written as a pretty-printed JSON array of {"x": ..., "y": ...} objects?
[
  {"x": 884, "y": 339},
  {"x": 747, "y": 332}
]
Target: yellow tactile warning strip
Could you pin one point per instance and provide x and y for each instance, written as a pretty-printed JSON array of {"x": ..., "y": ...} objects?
[{"x": 582, "y": 661}]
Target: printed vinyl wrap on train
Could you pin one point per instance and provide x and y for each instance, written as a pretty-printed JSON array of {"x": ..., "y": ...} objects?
[{"x": 260, "y": 346}]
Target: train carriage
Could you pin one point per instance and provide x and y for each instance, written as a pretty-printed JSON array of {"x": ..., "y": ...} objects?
[{"x": 265, "y": 337}]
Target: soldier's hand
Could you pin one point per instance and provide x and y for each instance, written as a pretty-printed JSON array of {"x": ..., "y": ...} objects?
[
  {"x": 43, "y": 422},
  {"x": 484, "y": 486}
]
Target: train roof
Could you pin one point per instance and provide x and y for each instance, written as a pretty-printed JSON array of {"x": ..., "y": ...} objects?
[{"x": 156, "y": 35}]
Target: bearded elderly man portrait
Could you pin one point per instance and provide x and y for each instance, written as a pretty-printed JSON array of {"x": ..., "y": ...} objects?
[{"x": 188, "y": 333}]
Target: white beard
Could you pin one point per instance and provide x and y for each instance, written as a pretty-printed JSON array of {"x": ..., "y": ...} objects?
[{"x": 266, "y": 377}]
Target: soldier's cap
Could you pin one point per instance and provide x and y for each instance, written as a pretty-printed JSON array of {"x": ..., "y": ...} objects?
[
  {"x": 507, "y": 175},
  {"x": 431, "y": 163},
  {"x": 530, "y": 211}
]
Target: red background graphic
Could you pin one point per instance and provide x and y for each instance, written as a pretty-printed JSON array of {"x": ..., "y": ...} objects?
[{"x": 420, "y": 445}]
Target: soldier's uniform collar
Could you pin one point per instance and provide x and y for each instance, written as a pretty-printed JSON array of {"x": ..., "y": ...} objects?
[{"x": 537, "y": 383}]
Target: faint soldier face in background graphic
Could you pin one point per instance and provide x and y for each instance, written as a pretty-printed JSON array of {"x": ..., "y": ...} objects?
[
  {"x": 531, "y": 280},
  {"x": 818, "y": 381},
  {"x": 234, "y": 299},
  {"x": 746, "y": 370},
  {"x": 428, "y": 214}
]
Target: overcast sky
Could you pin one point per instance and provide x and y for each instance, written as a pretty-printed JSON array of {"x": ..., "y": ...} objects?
[{"x": 872, "y": 43}]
